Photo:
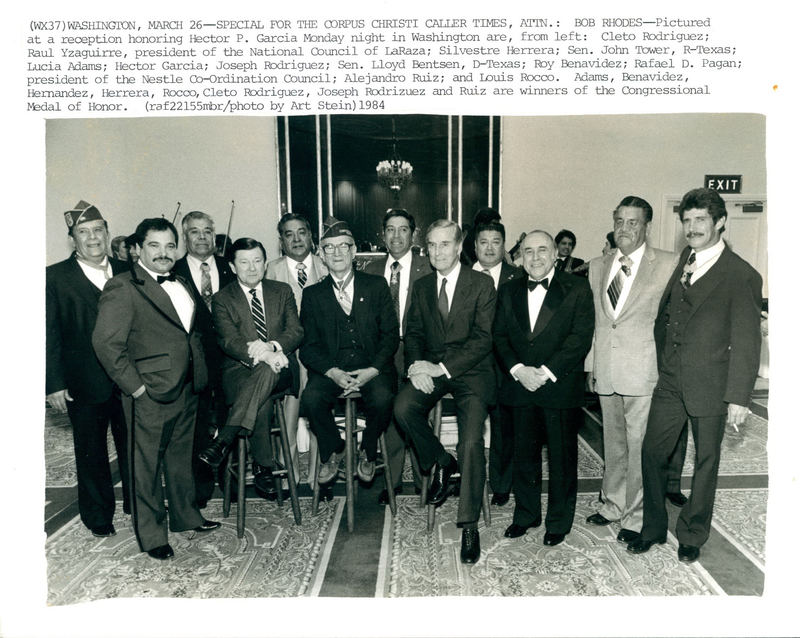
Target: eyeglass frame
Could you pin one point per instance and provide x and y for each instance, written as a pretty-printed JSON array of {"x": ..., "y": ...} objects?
[{"x": 330, "y": 249}]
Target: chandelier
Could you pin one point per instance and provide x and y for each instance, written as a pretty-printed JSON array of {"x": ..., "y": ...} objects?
[{"x": 394, "y": 172}]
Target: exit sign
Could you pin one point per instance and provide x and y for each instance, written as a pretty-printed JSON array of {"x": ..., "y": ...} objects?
[{"x": 724, "y": 183}]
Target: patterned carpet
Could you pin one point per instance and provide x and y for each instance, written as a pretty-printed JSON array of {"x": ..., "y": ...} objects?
[
  {"x": 741, "y": 516},
  {"x": 742, "y": 453},
  {"x": 275, "y": 558},
  {"x": 59, "y": 451}
]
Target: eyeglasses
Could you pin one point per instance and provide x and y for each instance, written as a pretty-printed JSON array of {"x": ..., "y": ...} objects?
[{"x": 329, "y": 249}]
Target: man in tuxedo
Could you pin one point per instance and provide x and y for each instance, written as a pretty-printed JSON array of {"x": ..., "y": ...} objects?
[
  {"x": 627, "y": 284},
  {"x": 207, "y": 274},
  {"x": 145, "y": 339},
  {"x": 75, "y": 382},
  {"x": 398, "y": 230},
  {"x": 448, "y": 349},
  {"x": 542, "y": 332},
  {"x": 565, "y": 243},
  {"x": 708, "y": 341},
  {"x": 299, "y": 268},
  {"x": 258, "y": 331},
  {"x": 490, "y": 241},
  {"x": 351, "y": 335}
]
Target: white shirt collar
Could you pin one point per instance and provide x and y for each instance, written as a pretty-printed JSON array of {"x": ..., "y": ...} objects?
[
  {"x": 451, "y": 277},
  {"x": 702, "y": 256},
  {"x": 197, "y": 261},
  {"x": 548, "y": 277},
  {"x": 635, "y": 256}
]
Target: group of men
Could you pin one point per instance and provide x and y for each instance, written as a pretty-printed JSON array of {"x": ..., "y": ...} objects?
[{"x": 190, "y": 343}]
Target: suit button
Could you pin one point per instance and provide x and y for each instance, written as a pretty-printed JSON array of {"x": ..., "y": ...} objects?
[{"x": 613, "y": 326}]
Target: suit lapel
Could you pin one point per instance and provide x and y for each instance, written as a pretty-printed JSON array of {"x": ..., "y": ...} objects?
[
  {"x": 709, "y": 281},
  {"x": 81, "y": 283},
  {"x": 643, "y": 274},
  {"x": 156, "y": 296},
  {"x": 519, "y": 304},
  {"x": 459, "y": 294},
  {"x": 675, "y": 276},
  {"x": 552, "y": 300}
]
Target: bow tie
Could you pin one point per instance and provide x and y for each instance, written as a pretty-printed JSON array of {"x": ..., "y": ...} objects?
[
  {"x": 162, "y": 278},
  {"x": 532, "y": 284}
]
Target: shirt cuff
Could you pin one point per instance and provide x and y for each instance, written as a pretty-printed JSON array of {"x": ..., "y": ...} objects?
[
  {"x": 513, "y": 371},
  {"x": 446, "y": 373},
  {"x": 551, "y": 376},
  {"x": 276, "y": 346}
]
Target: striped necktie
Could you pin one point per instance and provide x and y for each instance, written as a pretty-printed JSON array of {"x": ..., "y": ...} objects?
[
  {"x": 205, "y": 283},
  {"x": 615, "y": 287},
  {"x": 258, "y": 316},
  {"x": 302, "y": 277}
]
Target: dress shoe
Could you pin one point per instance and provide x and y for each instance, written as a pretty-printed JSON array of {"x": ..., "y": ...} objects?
[
  {"x": 208, "y": 526},
  {"x": 383, "y": 497},
  {"x": 640, "y": 545},
  {"x": 262, "y": 478},
  {"x": 104, "y": 531},
  {"x": 330, "y": 469},
  {"x": 597, "y": 519},
  {"x": 627, "y": 536},
  {"x": 214, "y": 454},
  {"x": 365, "y": 468},
  {"x": 162, "y": 552},
  {"x": 676, "y": 498},
  {"x": 515, "y": 531},
  {"x": 470, "y": 545},
  {"x": 500, "y": 498},
  {"x": 688, "y": 553},
  {"x": 326, "y": 492},
  {"x": 553, "y": 539},
  {"x": 440, "y": 488},
  {"x": 271, "y": 494}
]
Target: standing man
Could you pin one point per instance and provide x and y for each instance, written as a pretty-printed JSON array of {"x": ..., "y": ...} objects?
[
  {"x": 490, "y": 250},
  {"x": 542, "y": 333},
  {"x": 75, "y": 381},
  {"x": 207, "y": 274},
  {"x": 565, "y": 243},
  {"x": 146, "y": 341},
  {"x": 448, "y": 346},
  {"x": 401, "y": 268},
  {"x": 351, "y": 335},
  {"x": 627, "y": 284},
  {"x": 299, "y": 268},
  {"x": 708, "y": 338}
]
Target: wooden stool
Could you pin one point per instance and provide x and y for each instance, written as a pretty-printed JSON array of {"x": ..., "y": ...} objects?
[
  {"x": 280, "y": 470},
  {"x": 423, "y": 498},
  {"x": 351, "y": 430}
]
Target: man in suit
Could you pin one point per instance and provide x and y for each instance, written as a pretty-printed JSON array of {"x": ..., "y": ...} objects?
[
  {"x": 627, "y": 284},
  {"x": 145, "y": 339},
  {"x": 75, "y": 382},
  {"x": 708, "y": 341},
  {"x": 448, "y": 349},
  {"x": 542, "y": 333},
  {"x": 565, "y": 243},
  {"x": 258, "y": 331},
  {"x": 490, "y": 241},
  {"x": 299, "y": 268},
  {"x": 398, "y": 230},
  {"x": 351, "y": 335},
  {"x": 207, "y": 274}
]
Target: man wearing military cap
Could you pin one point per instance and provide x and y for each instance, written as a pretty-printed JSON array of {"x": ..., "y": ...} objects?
[{"x": 75, "y": 382}]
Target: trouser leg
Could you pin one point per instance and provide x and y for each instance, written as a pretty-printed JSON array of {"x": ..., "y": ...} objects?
[
  {"x": 501, "y": 449},
  {"x": 562, "y": 449},
  {"x": 411, "y": 409}
]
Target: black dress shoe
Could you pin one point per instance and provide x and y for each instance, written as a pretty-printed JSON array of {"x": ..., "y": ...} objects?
[
  {"x": 688, "y": 553},
  {"x": 553, "y": 539},
  {"x": 500, "y": 498},
  {"x": 597, "y": 519},
  {"x": 383, "y": 497},
  {"x": 515, "y": 531},
  {"x": 627, "y": 536},
  {"x": 208, "y": 526},
  {"x": 470, "y": 545},
  {"x": 440, "y": 488},
  {"x": 104, "y": 531},
  {"x": 162, "y": 552},
  {"x": 214, "y": 454},
  {"x": 326, "y": 492},
  {"x": 676, "y": 498},
  {"x": 640, "y": 545}
]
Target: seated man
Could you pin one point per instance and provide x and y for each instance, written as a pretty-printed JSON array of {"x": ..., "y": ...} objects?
[
  {"x": 351, "y": 334},
  {"x": 258, "y": 331}
]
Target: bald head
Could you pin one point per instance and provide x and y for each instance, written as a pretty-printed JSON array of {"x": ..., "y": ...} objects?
[{"x": 538, "y": 253}]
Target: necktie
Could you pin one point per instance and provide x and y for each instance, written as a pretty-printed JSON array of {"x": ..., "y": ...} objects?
[
  {"x": 258, "y": 316},
  {"x": 162, "y": 278},
  {"x": 688, "y": 270},
  {"x": 394, "y": 287},
  {"x": 443, "y": 303},
  {"x": 205, "y": 283},
  {"x": 532, "y": 283},
  {"x": 302, "y": 278},
  {"x": 341, "y": 294},
  {"x": 615, "y": 287}
]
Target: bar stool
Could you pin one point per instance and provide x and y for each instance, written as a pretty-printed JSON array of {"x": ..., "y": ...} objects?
[
  {"x": 280, "y": 470},
  {"x": 423, "y": 498},
  {"x": 351, "y": 430}
]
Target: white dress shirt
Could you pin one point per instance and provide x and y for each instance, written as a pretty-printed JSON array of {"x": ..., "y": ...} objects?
[
  {"x": 197, "y": 273},
  {"x": 98, "y": 275},
  {"x": 405, "y": 281},
  {"x": 181, "y": 298},
  {"x": 636, "y": 257},
  {"x": 291, "y": 266},
  {"x": 494, "y": 271},
  {"x": 535, "y": 302},
  {"x": 450, "y": 287},
  {"x": 704, "y": 259},
  {"x": 260, "y": 294}
]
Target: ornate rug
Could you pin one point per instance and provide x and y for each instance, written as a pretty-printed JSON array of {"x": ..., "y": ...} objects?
[
  {"x": 274, "y": 558},
  {"x": 59, "y": 452},
  {"x": 590, "y": 562},
  {"x": 741, "y": 516},
  {"x": 743, "y": 453}
]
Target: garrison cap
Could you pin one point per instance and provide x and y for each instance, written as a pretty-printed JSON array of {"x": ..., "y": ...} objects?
[
  {"x": 333, "y": 227},
  {"x": 83, "y": 212}
]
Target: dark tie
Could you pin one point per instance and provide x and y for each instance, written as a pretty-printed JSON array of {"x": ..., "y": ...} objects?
[
  {"x": 615, "y": 287},
  {"x": 532, "y": 283},
  {"x": 205, "y": 283},
  {"x": 443, "y": 304},
  {"x": 162, "y": 278},
  {"x": 394, "y": 287},
  {"x": 258, "y": 316},
  {"x": 302, "y": 278},
  {"x": 688, "y": 270}
]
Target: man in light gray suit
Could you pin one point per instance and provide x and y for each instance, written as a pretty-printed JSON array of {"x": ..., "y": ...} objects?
[
  {"x": 298, "y": 268},
  {"x": 627, "y": 285}
]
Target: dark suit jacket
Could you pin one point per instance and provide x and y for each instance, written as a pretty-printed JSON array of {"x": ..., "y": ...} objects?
[
  {"x": 420, "y": 266},
  {"x": 560, "y": 340},
  {"x": 70, "y": 315},
  {"x": 570, "y": 264},
  {"x": 719, "y": 356},
  {"x": 139, "y": 338},
  {"x": 376, "y": 322},
  {"x": 233, "y": 321},
  {"x": 509, "y": 272},
  {"x": 464, "y": 344}
]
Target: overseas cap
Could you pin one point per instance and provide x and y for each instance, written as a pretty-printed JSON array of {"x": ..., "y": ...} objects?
[
  {"x": 83, "y": 212},
  {"x": 333, "y": 227}
]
